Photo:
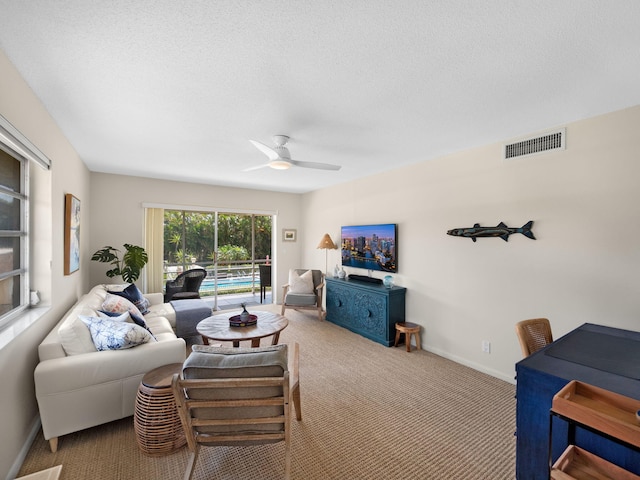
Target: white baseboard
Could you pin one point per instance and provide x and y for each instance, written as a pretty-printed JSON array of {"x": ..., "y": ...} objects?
[
  {"x": 475, "y": 366},
  {"x": 17, "y": 464}
]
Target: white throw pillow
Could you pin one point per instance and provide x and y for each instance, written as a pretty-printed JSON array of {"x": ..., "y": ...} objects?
[
  {"x": 118, "y": 304},
  {"x": 300, "y": 283},
  {"x": 74, "y": 334},
  {"x": 116, "y": 317}
]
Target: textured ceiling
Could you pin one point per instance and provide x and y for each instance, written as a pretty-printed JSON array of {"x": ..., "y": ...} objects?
[{"x": 175, "y": 89}]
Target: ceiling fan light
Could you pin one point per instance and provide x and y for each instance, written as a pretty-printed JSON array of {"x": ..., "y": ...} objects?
[{"x": 280, "y": 165}]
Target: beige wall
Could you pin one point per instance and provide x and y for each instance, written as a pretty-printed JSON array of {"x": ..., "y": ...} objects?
[
  {"x": 18, "y": 359},
  {"x": 585, "y": 202},
  {"x": 117, "y": 214}
]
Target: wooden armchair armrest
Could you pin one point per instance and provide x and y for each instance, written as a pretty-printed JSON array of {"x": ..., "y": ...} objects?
[
  {"x": 319, "y": 290},
  {"x": 293, "y": 364},
  {"x": 294, "y": 377}
]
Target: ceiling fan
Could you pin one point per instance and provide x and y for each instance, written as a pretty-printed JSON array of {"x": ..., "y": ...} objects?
[{"x": 280, "y": 158}]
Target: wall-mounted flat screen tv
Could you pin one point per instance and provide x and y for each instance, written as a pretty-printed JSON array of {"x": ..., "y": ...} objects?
[{"x": 373, "y": 247}]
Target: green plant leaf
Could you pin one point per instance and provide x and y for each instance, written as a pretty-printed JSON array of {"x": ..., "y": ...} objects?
[
  {"x": 133, "y": 260},
  {"x": 114, "y": 272},
  {"x": 106, "y": 255}
]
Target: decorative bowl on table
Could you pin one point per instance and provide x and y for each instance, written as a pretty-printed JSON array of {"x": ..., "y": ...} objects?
[{"x": 243, "y": 321}]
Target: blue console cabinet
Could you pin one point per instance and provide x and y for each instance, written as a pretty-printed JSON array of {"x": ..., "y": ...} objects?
[
  {"x": 601, "y": 356},
  {"x": 368, "y": 309}
]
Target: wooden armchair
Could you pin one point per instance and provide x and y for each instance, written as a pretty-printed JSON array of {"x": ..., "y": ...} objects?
[
  {"x": 298, "y": 298},
  {"x": 533, "y": 335},
  {"x": 238, "y": 397}
]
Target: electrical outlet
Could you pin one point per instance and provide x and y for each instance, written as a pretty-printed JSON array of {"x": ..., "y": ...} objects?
[{"x": 486, "y": 346}]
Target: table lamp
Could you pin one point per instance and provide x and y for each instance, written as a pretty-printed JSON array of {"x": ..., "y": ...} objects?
[{"x": 326, "y": 243}]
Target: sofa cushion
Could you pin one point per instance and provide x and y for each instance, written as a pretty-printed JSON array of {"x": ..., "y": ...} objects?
[
  {"x": 300, "y": 283},
  {"x": 115, "y": 335},
  {"x": 162, "y": 310},
  {"x": 222, "y": 362},
  {"x": 134, "y": 295},
  {"x": 301, "y": 299},
  {"x": 74, "y": 334},
  {"x": 160, "y": 326}
]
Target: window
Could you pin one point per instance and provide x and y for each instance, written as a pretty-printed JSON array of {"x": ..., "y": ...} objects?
[
  {"x": 230, "y": 245},
  {"x": 13, "y": 235},
  {"x": 17, "y": 153},
  {"x": 234, "y": 242}
]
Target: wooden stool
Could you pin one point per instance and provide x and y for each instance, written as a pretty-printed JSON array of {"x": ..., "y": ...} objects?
[
  {"x": 408, "y": 328},
  {"x": 156, "y": 420}
]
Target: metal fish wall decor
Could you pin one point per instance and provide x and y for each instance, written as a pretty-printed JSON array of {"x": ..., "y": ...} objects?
[{"x": 501, "y": 230}]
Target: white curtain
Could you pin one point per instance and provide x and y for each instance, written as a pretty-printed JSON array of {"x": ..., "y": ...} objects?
[{"x": 154, "y": 245}]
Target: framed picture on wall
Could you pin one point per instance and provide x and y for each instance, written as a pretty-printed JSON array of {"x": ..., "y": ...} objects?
[
  {"x": 71, "y": 234},
  {"x": 288, "y": 234}
]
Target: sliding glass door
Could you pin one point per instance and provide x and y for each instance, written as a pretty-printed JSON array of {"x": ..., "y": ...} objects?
[{"x": 230, "y": 246}]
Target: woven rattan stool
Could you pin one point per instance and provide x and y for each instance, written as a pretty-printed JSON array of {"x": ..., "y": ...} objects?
[
  {"x": 156, "y": 421},
  {"x": 408, "y": 328}
]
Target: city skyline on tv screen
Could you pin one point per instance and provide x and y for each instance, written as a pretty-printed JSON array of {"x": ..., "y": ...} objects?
[{"x": 372, "y": 247}]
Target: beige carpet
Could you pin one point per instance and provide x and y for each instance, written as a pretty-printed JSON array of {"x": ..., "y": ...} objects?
[{"x": 369, "y": 412}]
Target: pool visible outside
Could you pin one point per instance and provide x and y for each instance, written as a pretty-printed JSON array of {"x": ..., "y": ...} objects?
[{"x": 234, "y": 283}]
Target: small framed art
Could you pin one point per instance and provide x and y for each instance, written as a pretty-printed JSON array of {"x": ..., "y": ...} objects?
[
  {"x": 289, "y": 235},
  {"x": 71, "y": 234}
]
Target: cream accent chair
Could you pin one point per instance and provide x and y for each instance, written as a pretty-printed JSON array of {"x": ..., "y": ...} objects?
[
  {"x": 307, "y": 300},
  {"x": 237, "y": 397}
]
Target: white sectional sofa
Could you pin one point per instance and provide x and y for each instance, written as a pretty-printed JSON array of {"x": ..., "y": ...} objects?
[{"x": 78, "y": 387}]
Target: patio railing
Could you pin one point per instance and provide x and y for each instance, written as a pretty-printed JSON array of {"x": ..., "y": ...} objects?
[{"x": 229, "y": 277}]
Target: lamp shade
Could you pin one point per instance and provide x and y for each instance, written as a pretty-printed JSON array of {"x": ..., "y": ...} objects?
[{"x": 326, "y": 242}]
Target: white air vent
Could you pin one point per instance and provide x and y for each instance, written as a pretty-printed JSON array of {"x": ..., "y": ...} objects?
[{"x": 546, "y": 142}]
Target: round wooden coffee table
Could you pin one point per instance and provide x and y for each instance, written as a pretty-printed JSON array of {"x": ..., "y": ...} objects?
[{"x": 217, "y": 328}]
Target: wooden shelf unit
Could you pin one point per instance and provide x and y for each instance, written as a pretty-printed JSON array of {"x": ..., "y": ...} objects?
[
  {"x": 603, "y": 412},
  {"x": 576, "y": 463}
]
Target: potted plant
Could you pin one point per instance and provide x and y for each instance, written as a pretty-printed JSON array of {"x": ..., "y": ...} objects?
[{"x": 129, "y": 266}]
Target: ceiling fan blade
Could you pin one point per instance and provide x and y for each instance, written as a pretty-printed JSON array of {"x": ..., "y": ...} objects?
[
  {"x": 268, "y": 151},
  {"x": 256, "y": 167},
  {"x": 319, "y": 166}
]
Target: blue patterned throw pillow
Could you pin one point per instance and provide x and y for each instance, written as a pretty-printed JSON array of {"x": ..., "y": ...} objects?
[
  {"x": 115, "y": 335},
  {"x": 134, "y": 295},
  {"x": 128, "y": 316}
]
